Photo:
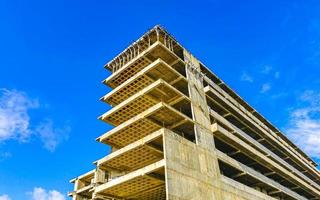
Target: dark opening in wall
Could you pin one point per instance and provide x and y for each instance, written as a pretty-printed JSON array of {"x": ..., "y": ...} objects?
[
  {"x": 251, "y": 131},
  {"x": 181, "y": 68},
  {"x": 184, "y": 107},
  {"x": 250, "y": 181},
  {"x": 187, "y": 131},
  {"x": 182, "y": 86},
  {"x": 248, "y": 161}
]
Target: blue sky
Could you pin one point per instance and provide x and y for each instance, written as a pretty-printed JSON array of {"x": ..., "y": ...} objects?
[{"x": 51, "y": 67}]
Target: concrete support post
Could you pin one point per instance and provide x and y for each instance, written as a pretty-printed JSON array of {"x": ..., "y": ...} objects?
[
  {"x": 192, "y": 169},
  {"x": 99, "y": 176},
  {"x": 78, "y": 184},
  {"x": 199, "y": 106}
]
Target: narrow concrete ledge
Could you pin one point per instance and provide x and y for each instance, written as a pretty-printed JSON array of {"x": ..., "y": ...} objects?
[
  {"x": 263, "y": 179},
  {"x": 231, "y": 139},
  {"x": 155, "y": 51},
  {"x": 159, "y": 91},
  {"x": 155, "y": 71},
  {"x": 131, "y": 184},
  {"x": 135, "y": 155},
  {"x": 153, "y": 119}
]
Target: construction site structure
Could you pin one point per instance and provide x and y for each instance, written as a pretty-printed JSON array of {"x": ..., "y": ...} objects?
[{"x": 180, "y": 133}]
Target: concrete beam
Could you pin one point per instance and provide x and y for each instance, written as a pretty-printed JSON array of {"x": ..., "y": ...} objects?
[
  {"x": 223, "y": 134},
  {"x": 103, "y": 189},
  {"x": 259, "y": 147},
  {"x": 222, "y": 95},
  {"x": 251, "y": 172}
]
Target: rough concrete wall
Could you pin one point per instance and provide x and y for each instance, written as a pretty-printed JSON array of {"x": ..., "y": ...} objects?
[
  {"x": 199, "y": 104},
  {"x": 190, "y": 170},
  {"x": 191, "y": 174},
  {"x": 234, "y": 191}
]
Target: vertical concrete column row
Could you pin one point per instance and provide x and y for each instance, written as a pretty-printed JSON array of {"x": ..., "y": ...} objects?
[{"x": 192, "y": 170}]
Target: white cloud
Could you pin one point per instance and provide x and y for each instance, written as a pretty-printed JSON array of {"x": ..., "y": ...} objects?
[
  {"x": 14, "y": 117},
  {"x": 246, "y": 77},
  {"x": 304, "y": 126},
  {"x": 265, "y": 87},
  {"x": 266, "y": 69},
  {"x": 39, "y": 193},
  {"x": 15, "y": 121},
  {"x": 4, "y": 197},
  {"x": 50, "y": 135},
  {"x": 311, "y": 97}
]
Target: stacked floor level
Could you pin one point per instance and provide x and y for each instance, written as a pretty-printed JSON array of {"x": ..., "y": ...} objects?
[{"x": 180, "y": 133}]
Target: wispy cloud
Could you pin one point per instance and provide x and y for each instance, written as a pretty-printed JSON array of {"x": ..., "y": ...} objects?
[
  {"x": 246, "y": 77},
  {"x": 269, "y": 70},
  {"x": 50, "y": 135},
  {"x": 266, "y": 69},
  {"x": 5, "y": 197},
  {"x": 15, "y": 121},
  {"x": 304, "y": 126},
  {"x": 40, "y": 193},
  {"x": 265, "y": 87},
  {"x": 14, "y": 117}
]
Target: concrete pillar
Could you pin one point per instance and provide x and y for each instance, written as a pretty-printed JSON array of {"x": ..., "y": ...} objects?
[{"x": 192, "y": 170}]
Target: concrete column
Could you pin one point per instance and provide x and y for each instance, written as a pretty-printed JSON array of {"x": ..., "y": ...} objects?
[
  {"x": 192, "y": 170},
  {"x": 199, "y": 105},
  {"x": 99, "y": 176}
]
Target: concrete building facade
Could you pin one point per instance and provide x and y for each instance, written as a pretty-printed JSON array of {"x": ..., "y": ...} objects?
[{"x": 180, "y": 133}]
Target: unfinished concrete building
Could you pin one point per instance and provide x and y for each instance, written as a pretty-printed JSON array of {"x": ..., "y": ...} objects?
[{"x": 181, "y": 133}]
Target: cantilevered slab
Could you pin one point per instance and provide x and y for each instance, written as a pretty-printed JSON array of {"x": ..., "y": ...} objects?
[
  {"x": 155, "y": 51},
  {"x": 261, "y": 157},
  {"x": 159, "y": 91},
  {"x": 84, "y": 177},
  {"x": 83, "y": 184},
  {"x": 260, "y": 147},
  {"x": 156, "y": 193},
  {"x": 156, "y": 70},
  {"x": 84, "y": 192},
  {"x": 151, "y": 120},
  {"x": 136, "y": 155},
  {"x": 136, "y": 182},
  {"x": 236, "y": 110},
  {"x": 262, "y": 124},
  {"x": 258, "y": 176}
]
